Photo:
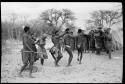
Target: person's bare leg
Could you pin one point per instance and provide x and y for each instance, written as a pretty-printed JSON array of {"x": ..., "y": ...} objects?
[
  {"x": 70, "y": 56},
  {"x": 55, "y": 60},
  {"x": 58, "y": 59},
  {"x": 109, "y": 54},
  {"x": 80, "y": 58},
  {"x": 22, "y": 69},
  {"x": 42, "y": 61},
  {"x": 31, "y": 69}
]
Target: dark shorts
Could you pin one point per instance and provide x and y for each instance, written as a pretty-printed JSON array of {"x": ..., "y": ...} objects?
[
  {"x": 28, "y": 57},
  {"x": 108, "y": 45}
]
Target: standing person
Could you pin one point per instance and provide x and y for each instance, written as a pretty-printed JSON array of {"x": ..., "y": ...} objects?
[
  {"x": 99, "y": 40},
  {"x": 108, "y": 42},
  {"x": 67, "y": 37},
  {"x": 56, "y": 49},
  {"x": 92, "y": 41},
  {"x": 81, "y": 42},
  {"x": 28, "y": 57}
]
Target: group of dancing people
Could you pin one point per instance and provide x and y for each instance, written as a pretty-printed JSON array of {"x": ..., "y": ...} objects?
[{"x": 31, "y": 54}]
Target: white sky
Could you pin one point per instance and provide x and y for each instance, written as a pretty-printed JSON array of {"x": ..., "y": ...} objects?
[{"x": 33, "y": 9}]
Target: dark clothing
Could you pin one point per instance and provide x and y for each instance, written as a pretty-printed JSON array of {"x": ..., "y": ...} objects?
[
  {"x": 27, "y": 57},
  {"x": 87, "y": 41},
  {"x": 91, "y": 41},
  {"x": 67, "y": 38},
  {"x": 108, "y": 42},
  {"x": 99, "y": 39}
]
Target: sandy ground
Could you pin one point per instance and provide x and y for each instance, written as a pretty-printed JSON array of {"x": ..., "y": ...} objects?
[{"x": 94, "y": 68}]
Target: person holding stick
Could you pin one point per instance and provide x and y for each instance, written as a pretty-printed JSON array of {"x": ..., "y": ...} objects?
[{"x": 28, "y": 57}]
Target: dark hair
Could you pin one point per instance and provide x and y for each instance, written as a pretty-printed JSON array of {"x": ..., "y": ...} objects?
[
  {"x": 26, "y": 28},
  {"x": 92, "y": 30},
  {"x": 79, "y": 30},
  {"x": 67, "y": 29},
  {"x": 99, "y": 27}
]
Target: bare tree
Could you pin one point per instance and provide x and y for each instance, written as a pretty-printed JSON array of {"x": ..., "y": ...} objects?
[
  {"x": 112, "y": 17},
  {"x": 13, "y": 19},
  {"x": 57, "y": 18},
  {"x": 105, "y": 18}
]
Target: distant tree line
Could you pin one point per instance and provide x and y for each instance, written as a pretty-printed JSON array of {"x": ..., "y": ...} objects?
[
  {"x": 53, "y": 19},
  {"x": 47, "y": 21}
]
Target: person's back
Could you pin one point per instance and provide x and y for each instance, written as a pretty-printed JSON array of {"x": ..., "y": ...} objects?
[
  {"x": 28, "y": 41},
  {"x": 25, "y": 39},
  {"x": 72, "y": 43},
  {"x": 81, "y": 40},
  {"x": 80, "y": 44},
  {"x": 99, "y": 40}
]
